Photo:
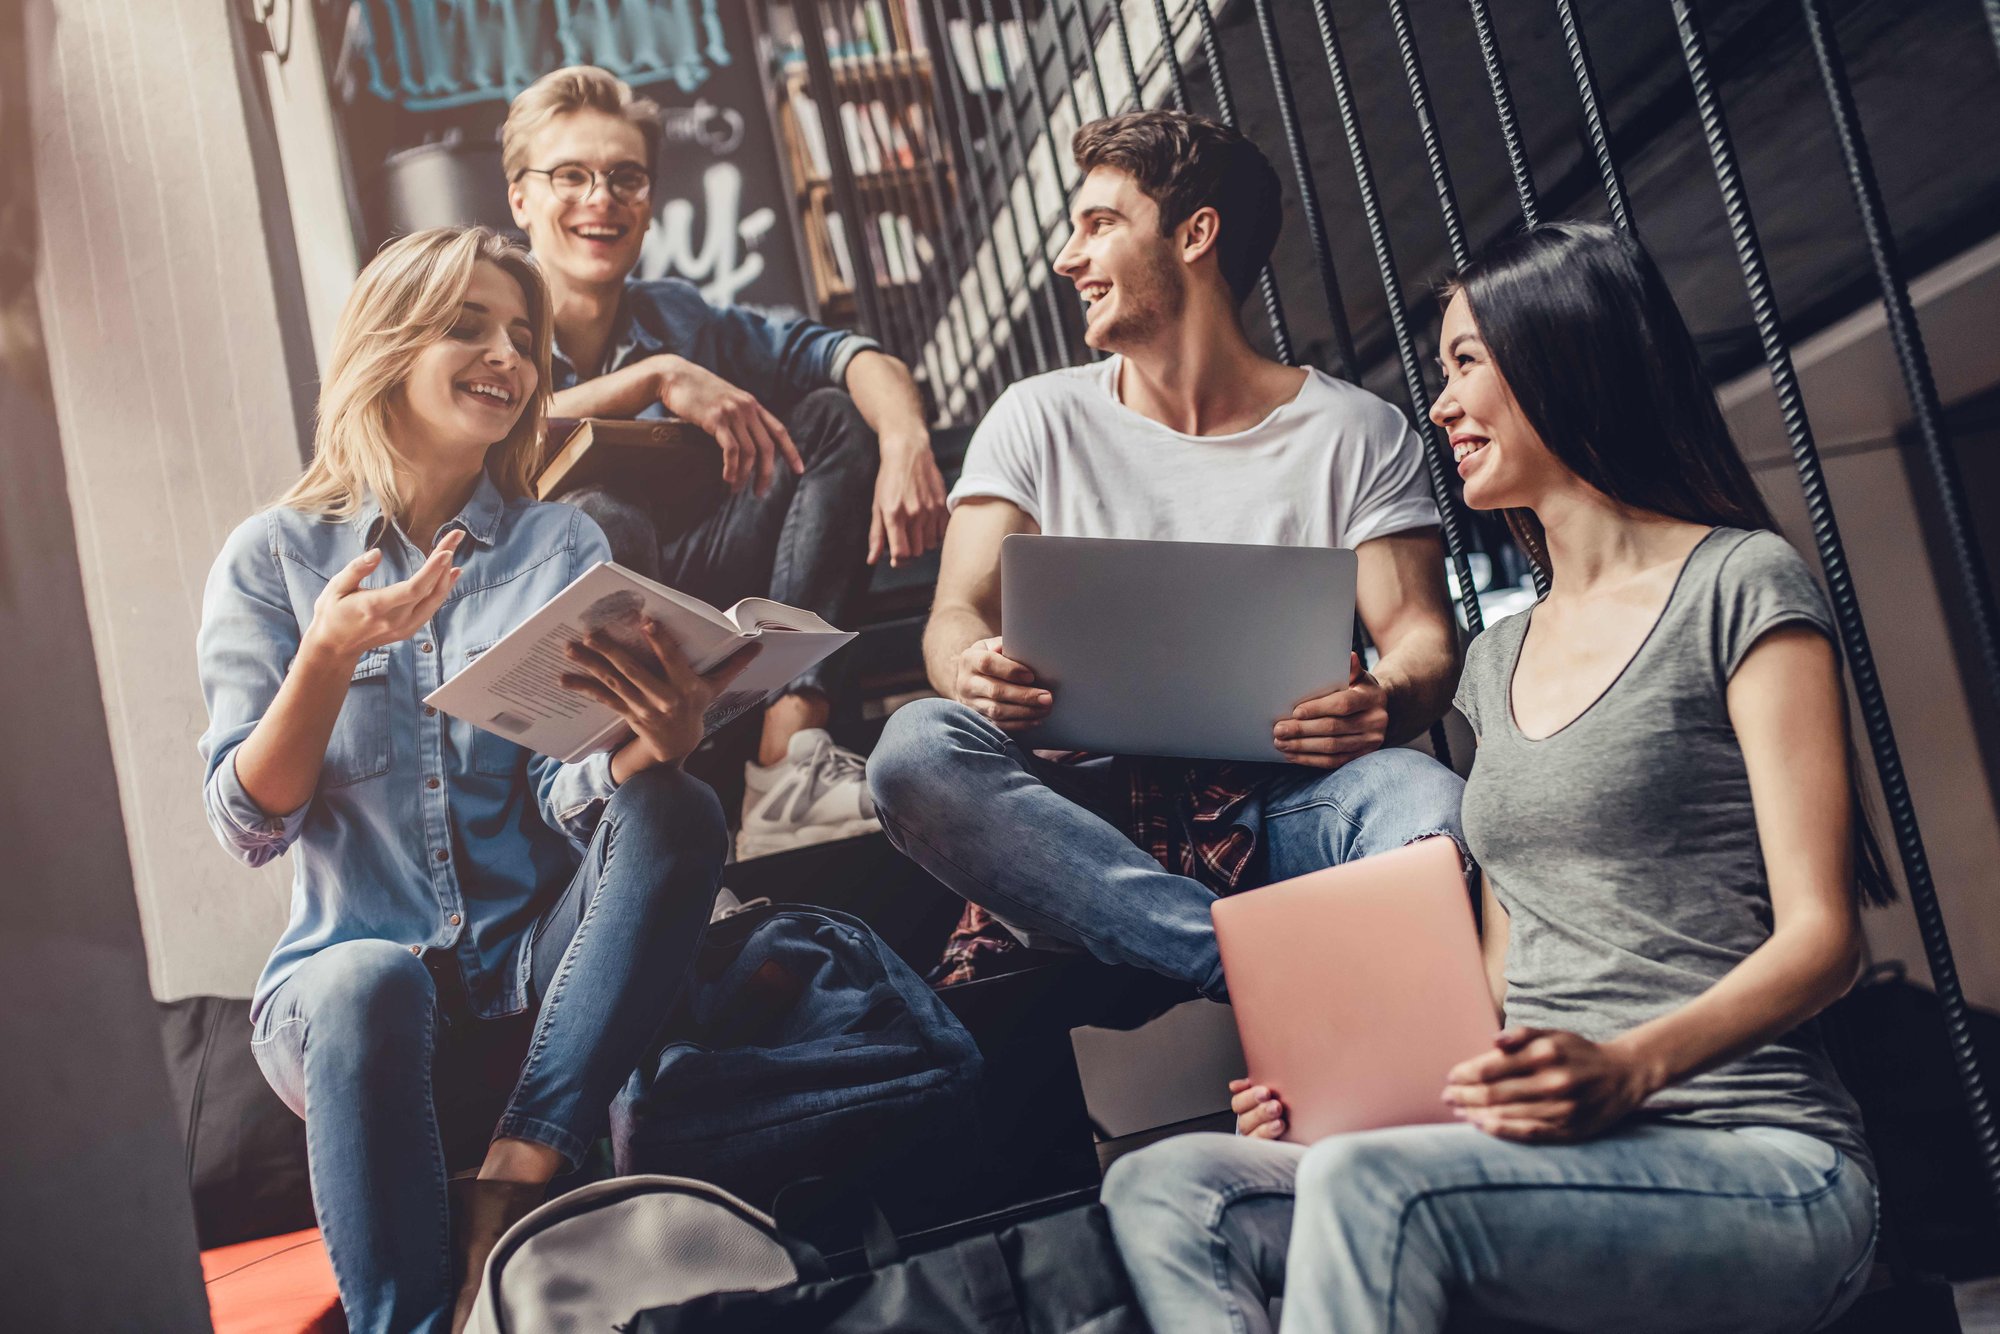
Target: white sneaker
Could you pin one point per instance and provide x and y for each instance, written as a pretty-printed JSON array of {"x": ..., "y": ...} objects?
[{"x": 816, "y": 794}]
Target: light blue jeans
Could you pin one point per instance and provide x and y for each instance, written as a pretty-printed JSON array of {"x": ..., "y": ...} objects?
[
  {"x": 351, "y": 1040},
  {"x": 1652, "y": 1228},
  {"x": 1027, "y": 841}
]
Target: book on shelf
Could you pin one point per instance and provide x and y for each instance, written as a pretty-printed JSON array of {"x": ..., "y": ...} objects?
[{"x": 843, "y": 259}]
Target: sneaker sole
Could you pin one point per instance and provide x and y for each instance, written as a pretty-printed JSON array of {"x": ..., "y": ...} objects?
[{"x": 751, "y": 846}]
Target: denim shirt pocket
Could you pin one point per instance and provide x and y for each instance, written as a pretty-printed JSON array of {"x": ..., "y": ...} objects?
[
  {"x": 490, "y": 753},
  {"x": 359, "y": 746}
]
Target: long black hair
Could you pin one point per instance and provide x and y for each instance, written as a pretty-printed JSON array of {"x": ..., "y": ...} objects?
[
  {"x": 1582, "y": 328},
  {"x": 1587, "y": 336}
]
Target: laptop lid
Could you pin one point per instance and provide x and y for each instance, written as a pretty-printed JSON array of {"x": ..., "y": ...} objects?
[
  {"x": 1186, "y": 649},
  {"x": 1357, "y": 988}
]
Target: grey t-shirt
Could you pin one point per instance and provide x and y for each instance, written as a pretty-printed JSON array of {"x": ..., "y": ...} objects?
[{"x": 1624, "y": 847}]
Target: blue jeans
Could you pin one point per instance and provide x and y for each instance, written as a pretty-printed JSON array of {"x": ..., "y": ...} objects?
[
  {"x": 804, "y": 542},
  {"x": 1651, "y": 1228},
  {"x": 352, "y": 1042},
  {"x": 1025, "y": 839}
]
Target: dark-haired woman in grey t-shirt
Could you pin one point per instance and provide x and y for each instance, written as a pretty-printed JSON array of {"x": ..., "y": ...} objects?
[{"x": 1663, "y": 811}]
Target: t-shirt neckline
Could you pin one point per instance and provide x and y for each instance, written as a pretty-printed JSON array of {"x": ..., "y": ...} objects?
[
  {"x": 1652, "y": 633},
  {"x": 1115, "y": 368}
]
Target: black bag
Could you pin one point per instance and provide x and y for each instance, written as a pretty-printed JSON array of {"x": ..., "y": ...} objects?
[
  {"x": 246, "y": 1152},
  {"x": 802, "y": 1046},
  {"x": 1056, "y": 1274}
]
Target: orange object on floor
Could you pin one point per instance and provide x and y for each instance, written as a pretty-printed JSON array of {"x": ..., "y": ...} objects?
[{"x": 279, "y": 1285}]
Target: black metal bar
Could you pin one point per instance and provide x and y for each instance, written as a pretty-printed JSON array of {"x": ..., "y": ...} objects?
[
  {"x": 1089, "y": 55},
  {"x": 975, "y": 172},
  {"x": 1503, "y": 107},
  {"x": 1225, "y": 106},
  {"x": 908, "y": 87},
  {"x": 1125, "y": 49},
  {"x": 1180, "y": 89},
  {"x": 1593, "y": 117},
  {"x": 1909, "y": 340},
  {"x": 1420, "y": 102},
  {"x": 1449, "y": 518},
  {"x": 1840, "y": 587},
  {"x": 812, "y": 40},
  {"x": 1993, "y": 20},
  {"x": 1349, "y": 361},
  {"x": 1065, "y": 354}
]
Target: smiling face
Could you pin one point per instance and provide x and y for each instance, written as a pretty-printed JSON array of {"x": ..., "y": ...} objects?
[
  {"x": 594, "y": 241},
  {"x": 1130, "y": 277},
  {"x": 1499, "y": 454},
  {"x": 465, "y": 391}
]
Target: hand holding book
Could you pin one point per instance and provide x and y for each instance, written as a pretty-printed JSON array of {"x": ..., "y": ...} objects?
[{"x": 654, "y": 688}]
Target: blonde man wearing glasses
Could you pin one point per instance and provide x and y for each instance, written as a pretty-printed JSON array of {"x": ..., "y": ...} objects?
[{"x": 824, "y": 445}]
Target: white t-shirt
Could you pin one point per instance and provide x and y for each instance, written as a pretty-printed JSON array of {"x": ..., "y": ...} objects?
[{"x": 1334, "y": 467}]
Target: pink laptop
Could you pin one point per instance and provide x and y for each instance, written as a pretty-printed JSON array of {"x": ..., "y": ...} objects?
[{"x": 1357, "y": 988}]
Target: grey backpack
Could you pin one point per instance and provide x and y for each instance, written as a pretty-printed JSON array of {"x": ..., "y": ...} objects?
[{"x": 586, "y": 1262}]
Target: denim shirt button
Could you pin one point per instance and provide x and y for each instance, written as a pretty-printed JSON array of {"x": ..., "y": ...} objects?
[
  {"x": 454, "y": 919},
  {"x": 442, "y": 855},
  {"x": 431, "y": 783},
  {"x": 430, "y": 711},
  {"x": 425, "y": 646},
  {"x": 416, "y": 949}
]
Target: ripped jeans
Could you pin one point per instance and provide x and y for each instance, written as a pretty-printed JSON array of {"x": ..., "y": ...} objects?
[{"x": 1026, "y": 840}]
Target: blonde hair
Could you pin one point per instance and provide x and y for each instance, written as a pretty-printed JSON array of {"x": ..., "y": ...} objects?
[
  {"x": 407, "y": 298},
  {"x": 575, "y": 88}
]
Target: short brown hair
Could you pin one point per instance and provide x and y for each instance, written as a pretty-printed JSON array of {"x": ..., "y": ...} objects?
[
  {"x": 1184, "y": 162},
  {"x": 575, "y": 88}
]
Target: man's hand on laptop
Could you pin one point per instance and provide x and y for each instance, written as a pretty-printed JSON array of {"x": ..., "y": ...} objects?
[
  {"x": 1327, "y": 732},
  {"x": 1260, "y": 1114},
  {"x": 753, "y": 441},
  {"x": 999, "y": 689}
]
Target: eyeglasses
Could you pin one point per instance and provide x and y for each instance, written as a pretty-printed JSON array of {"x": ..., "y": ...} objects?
[{"x": 573, "y": 182}]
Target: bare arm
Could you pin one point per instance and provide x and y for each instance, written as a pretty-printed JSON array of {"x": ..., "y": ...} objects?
[
  {"x": 962, "y": 651},
  {"x": 1493, "y": 928},
  {"x": 621, "y": 393},
  {"x": 1400, "y": 592},
  {"x": 909, "y": 514},
  {"x": 1786, "y": 705}
]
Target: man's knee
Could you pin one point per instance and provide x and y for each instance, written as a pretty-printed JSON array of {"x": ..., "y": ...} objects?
[
  {"x": 1416, "y": 797},
  {"x": 1161, "y": 1178},
  {"x": 826, "y": 425},
  {"x": 909, "y": 767},
  {"x": 628, "y": 525}
]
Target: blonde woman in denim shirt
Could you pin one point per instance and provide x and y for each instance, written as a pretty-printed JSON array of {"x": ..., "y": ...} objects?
[{"x": 437, "y": 887}]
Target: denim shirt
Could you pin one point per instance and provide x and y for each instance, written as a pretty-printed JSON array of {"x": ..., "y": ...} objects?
[
  {"x": 777, "y": 361},
  {"x": 424, "y": 830}
]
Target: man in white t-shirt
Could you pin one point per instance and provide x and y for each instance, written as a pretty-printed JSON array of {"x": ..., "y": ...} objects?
[{"x": 1187, "y": 433}]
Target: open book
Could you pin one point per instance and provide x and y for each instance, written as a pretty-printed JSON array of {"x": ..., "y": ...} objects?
[{"x": 514, "y": 689}]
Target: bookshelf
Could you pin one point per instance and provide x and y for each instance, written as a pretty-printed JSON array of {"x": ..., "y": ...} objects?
[{"x": 897, "y": 165}]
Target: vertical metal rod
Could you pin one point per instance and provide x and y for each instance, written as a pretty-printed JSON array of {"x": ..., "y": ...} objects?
[
  {"x": 975, "y": 172},
  {"x": 1593, "y": 117},
  {"x": 949, "y": 241},
  {"x": 1089, "y": 55},
  {"x": 1840, "y": 587},
  {"x": 891, "y": 188},
  {"x": 1063, "y": 352},
  {"x": 1180, "y": 89},
  {"x": 1225, "y": 106},
  {"x": 1406, "y": 347},
  {"x": 1131, "y": 66},
  {"x": 1348, "y": 361},
  {"x": 993, "y": 310},
  {"x": 1909, "y": 341},
  {"x": 1993, "y": 20},
  {"x": 1503, "y": 107},
  {"x": 1420, "y": 102},
  {"x": 812, "y": 39}
]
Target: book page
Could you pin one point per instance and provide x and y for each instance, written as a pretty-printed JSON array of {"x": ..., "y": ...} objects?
[{"x": 515, "y": 688}]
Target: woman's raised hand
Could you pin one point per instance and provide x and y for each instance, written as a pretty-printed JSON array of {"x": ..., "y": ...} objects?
[
  {"x": 348, "y": 619},
  {"x": 656, "y": 691},
  {"x": 1260, "y": 1114}
]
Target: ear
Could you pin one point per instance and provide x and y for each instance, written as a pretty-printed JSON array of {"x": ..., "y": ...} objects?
[
  {"x": 1198, "y": 234},
  {"x": 517, "y": 204}
]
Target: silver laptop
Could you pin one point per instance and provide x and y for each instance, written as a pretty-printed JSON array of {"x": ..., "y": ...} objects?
[{"x": 1188, "y": 649}]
